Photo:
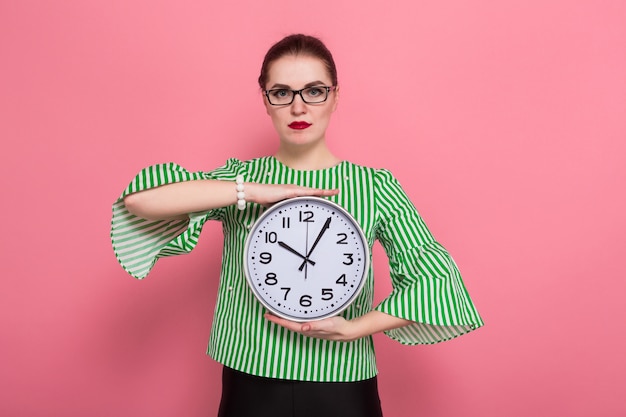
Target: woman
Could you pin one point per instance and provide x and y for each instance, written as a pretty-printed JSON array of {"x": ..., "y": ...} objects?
[{"x": 273, "y": 366}]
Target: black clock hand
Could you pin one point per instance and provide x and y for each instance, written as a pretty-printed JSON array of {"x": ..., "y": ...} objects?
[
  {"x": 319, "y": 236},
  {"x": 295, "y": 252}
]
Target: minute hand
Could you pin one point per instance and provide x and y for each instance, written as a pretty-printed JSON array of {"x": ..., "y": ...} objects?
[{"x": 317, "y": 239}]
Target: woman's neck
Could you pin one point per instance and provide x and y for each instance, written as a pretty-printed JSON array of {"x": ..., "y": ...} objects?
[{"x": 309, "y": 159}]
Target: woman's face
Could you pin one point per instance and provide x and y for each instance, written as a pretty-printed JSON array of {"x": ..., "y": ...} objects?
[{"x": 300, "y": 123}]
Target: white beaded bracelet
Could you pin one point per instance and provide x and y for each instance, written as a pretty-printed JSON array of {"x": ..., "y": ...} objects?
[{"x": 241, "y": 196}]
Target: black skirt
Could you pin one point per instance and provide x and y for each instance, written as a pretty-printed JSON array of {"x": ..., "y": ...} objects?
[{"x": 245, "y": 395}]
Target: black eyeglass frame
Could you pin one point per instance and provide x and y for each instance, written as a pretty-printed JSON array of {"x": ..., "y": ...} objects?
[{"x": 299, "y": 93}]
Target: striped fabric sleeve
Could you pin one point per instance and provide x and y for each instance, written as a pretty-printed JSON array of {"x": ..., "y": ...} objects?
[
  {"x": 427, "y": 286},
  {"x": 138, "y": 242}
]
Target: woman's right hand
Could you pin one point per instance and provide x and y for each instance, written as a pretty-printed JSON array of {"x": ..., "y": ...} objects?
[
  {"x": 268, "y": 194},
  {"x": 176, "y": 200}
]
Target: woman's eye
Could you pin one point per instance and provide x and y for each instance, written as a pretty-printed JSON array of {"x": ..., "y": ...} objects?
[
  {"x": 314, "y": 91},
  {"x": 280, "y": 93}
]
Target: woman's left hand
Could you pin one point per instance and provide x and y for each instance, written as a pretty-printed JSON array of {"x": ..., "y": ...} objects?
[
  {"x": 334, "y": 328},
  {"x": 339, "y": 329}
]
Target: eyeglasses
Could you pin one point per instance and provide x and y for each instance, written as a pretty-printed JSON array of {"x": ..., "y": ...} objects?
[{"x": 310, "y": 95}]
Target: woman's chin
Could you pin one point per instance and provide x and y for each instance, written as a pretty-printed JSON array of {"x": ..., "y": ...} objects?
[{"x": 301, "y": 140}]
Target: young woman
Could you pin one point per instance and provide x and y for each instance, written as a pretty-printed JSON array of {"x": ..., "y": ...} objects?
[{"x": 272, "y": 366}]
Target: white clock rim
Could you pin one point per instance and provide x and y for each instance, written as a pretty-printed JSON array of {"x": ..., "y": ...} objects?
[{"x": 271, "y": 210}]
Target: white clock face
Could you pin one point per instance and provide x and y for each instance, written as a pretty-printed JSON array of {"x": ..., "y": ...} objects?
[{"x": 306, "y": 259}]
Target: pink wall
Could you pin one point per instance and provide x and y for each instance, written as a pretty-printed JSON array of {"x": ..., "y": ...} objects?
[{"x": 505, "y": 121}]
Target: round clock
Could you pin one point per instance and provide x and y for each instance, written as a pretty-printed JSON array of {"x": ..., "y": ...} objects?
[{"x": 306, "y": 259}]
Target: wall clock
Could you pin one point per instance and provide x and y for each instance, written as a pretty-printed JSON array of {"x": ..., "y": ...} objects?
[{"x": 306, "y": 258}]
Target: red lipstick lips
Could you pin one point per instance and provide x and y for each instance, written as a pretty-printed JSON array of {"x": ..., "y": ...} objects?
[{"x": 299, "y": 125}]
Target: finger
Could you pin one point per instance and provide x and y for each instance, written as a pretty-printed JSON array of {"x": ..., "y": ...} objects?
[
  {"x": 308, "y": 329},
  {"x": 288, "y": 324},
  {"x": 330, "y": 192},
  {"x": 318, "y": 191},
  {"x": 327, "y": 191}
]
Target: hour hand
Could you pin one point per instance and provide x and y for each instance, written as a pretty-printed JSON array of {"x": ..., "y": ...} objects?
[{"x": 295, "y": 252}]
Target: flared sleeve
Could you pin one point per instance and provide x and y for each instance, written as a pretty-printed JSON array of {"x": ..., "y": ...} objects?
[
  {"x": 138, "y": 242},
  {"x": 427, "y": 286}
]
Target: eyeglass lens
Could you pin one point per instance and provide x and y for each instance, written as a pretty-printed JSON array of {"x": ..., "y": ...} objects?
[{"x": 309, "y": 95}]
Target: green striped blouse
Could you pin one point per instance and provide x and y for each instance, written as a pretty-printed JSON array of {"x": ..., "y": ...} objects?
[{"x": 427, "y": 286}]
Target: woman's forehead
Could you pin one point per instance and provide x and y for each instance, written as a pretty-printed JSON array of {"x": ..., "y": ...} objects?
[{"x": 296, "y": 71}]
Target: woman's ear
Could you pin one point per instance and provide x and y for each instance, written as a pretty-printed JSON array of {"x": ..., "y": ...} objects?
[
  {"x": 336, "y": 93},
  {"x": 265, "y": 103}
]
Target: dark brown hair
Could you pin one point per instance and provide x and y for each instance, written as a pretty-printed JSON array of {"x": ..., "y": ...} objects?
[{"x": 298, "y": 44}]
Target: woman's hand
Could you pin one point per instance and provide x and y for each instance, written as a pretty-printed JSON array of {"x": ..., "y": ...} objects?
[
  {"x": 339, "y": 329},
  {"x": 176, "y": 200},
  {"x": 268, "y": 194},
  {"x": 334, "y": 328}
]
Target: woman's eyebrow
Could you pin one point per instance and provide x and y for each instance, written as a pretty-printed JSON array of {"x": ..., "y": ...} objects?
[{"x": 307, "y": 85}]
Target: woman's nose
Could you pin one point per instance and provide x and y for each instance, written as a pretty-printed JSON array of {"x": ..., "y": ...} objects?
[{"x": 298, "y": 106}]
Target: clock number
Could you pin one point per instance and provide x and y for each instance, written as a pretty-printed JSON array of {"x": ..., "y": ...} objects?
[
  {"x": 286, "y": 221},
  {"x": 343, "y": 239},
  {"x": 342, "y": 280},
  {"x": 305, "y": 301},
  {"x": 306, "y": 216},
  {"x": 327, "y": 293},
  {"x": 349, "y": 256},
  {"x": 286, "y": 289},
  {"x": 271, "y": 237},
  {"x": 270, "y": 279},
  {"x": 266, "y": 257}
]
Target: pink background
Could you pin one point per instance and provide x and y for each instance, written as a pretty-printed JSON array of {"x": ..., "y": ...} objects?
[{"x": 504, "y": 120}]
